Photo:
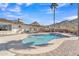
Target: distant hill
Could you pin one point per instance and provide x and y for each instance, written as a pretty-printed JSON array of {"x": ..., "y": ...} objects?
[
  {"x": 71, "y": 25},
  {"x": 36, "y": 24}
]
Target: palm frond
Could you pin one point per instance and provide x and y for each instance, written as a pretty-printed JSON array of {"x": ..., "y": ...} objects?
[{"x": 54, "y": 5}]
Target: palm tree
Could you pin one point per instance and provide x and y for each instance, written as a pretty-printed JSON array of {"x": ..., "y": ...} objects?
[{"x": 53, "y": 7}]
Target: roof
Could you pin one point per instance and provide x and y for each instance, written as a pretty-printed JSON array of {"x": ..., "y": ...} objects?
[
  {"x": 10, "y": 21},
  {"x": 5, "y": 20}
]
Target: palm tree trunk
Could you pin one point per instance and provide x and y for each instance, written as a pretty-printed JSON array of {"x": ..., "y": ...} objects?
[
  {"x": 78, "y": 20},
  {"x": 54, "y": 19}
]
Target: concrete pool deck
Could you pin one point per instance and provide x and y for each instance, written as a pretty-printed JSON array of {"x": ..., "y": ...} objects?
[{"x": 9, "y": 46}]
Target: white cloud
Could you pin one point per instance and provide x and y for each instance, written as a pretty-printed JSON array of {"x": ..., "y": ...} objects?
[
  {"x": 10, "y": 15},
  {"x": 15, "y": 9},
  {"x": 49, "y": 11},
  {"x": 3, "y": 6},
  {"x": 71, "y": 17},
  {"x": 13, "y": 16},
  {"x": 28, "y": 4},
  {"x": 19, "y": 4},
  {"x": 62, "y": 4},
  {"x": 44, "y": 3},
  {"x": 59, "y": 4}
]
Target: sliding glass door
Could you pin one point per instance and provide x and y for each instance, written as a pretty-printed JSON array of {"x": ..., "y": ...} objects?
[{"x": 5, "y": 27}]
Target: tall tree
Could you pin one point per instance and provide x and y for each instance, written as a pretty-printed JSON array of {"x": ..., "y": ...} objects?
[{"x": 53, "y": 7}]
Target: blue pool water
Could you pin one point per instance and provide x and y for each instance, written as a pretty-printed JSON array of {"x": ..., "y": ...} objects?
[{"x": 41, "y": 39}]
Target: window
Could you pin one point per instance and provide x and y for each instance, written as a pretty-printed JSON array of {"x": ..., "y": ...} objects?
[{"x": 5, "y": 27}]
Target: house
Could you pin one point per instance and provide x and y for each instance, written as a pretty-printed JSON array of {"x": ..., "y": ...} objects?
[{"x": 12, "y": 26}]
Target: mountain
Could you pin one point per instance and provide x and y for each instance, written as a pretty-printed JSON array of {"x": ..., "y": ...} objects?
[
  {"x": 35, "y": 24},
  {"x": 71, "y": 25}
]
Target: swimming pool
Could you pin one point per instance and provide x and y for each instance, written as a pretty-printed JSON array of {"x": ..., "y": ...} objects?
[{"x": 41, "y": 39}]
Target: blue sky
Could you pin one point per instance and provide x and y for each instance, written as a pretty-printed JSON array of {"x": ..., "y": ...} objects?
[{"x": 39, "y": 12}]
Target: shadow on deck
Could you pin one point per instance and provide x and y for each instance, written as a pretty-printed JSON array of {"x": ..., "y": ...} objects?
[{"x": 16, "y": 45}]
